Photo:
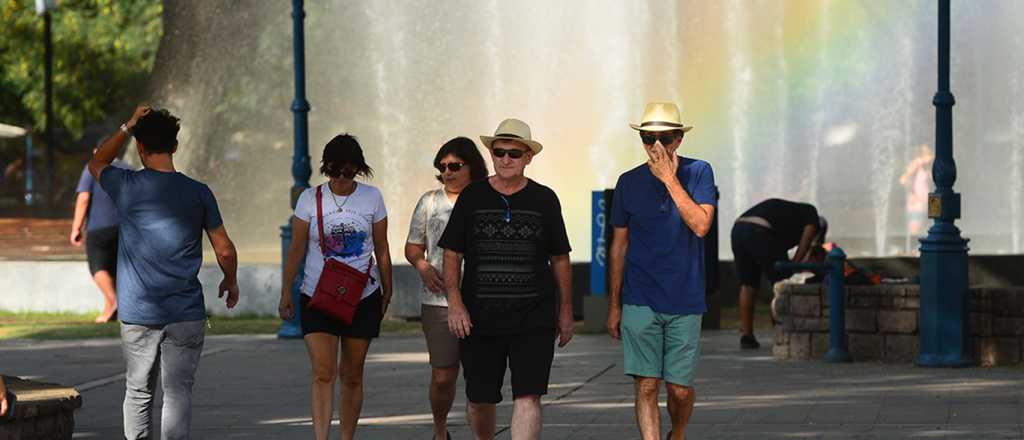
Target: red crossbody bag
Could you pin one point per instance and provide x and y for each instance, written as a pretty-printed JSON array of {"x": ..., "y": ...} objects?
[{"x": 340, "y": 286}]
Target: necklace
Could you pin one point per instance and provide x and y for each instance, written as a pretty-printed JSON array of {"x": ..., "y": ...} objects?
[{"x": 349, "y": 196}]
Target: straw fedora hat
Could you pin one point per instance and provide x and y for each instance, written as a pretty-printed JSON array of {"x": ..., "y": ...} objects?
[
  {"x": 513, "y": 130},
  {"x": 661, "y": 116}
]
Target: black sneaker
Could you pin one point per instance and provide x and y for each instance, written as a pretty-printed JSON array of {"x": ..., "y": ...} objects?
[{"x": 749, "y": 342}]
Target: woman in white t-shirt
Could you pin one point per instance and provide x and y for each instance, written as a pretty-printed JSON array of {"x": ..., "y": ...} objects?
[
  {"x": 355, "y": 225},
  {"x": 459, "y": 163}
]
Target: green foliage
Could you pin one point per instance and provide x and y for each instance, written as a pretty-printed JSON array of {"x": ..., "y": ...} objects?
[{"x": 103, "y": 52}]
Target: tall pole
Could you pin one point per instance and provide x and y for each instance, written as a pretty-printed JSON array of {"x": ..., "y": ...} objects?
[
  {"x": 48, "y": 96},
  {"x": 301, "y": 170},
  {"x": 944, "y": 295}
]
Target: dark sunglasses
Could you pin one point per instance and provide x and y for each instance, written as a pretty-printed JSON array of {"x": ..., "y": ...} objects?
[
  {"x": 501, "y": 152},
  {"x": 452, "y": 166},
  {"x": 665, "y": 139}
]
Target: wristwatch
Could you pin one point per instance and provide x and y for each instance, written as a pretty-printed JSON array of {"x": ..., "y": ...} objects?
[{"x": 124, "y": 128}]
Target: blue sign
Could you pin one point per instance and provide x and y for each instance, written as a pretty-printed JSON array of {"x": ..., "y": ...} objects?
[{"x": 598, "y": 245}]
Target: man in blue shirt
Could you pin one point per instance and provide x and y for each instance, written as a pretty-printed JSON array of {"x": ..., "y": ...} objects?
[
  {"x": 661, "y": 212},
  {"x": 162, "y": 214},
  {"x": 95, "y": 205}
]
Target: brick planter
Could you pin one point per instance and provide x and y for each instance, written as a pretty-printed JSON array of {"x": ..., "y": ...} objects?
[
  {"x": 882, "y": 323},
  {"x": 43, "y": 411}
]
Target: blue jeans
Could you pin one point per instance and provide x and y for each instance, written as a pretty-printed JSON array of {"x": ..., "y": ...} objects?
[{"x": 171, "y": 352}]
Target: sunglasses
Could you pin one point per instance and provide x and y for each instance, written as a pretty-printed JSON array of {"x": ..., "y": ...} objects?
[
  {"x": 452, "y": 166},
  {"x": 513, "y": 153},
  {"x": 665, "y": 139}
]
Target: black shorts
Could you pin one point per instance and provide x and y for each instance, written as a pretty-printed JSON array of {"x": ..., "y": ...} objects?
[
  {"x": 528, "y": 355},
  {"x": 365, "y": 323},
  {"x": 755, "y": 250},
  {"x": 101, "y": 250}
]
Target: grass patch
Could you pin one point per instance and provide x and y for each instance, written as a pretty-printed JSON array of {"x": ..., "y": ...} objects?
[{"x": 35, "y": 325}]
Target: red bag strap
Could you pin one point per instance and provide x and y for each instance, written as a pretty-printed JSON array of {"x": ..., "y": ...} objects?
[
  {"x": 320, "y": 227},
  {"x": 320, "y": 220}
]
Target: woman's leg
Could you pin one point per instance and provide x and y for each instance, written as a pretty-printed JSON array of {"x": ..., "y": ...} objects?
[
  {"x": 442, "y": 395},
  {"x": 353, "y": 358},
  {"x": 323, "y": 358}
]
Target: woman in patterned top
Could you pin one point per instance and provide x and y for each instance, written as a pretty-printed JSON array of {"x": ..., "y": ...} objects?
[{"x": 459, "y": 163}]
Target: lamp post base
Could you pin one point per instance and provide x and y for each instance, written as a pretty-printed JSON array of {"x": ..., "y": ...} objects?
[{"x": 837, "y": 356}]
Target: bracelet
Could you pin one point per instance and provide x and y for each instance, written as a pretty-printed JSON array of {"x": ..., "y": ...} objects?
[{"x": 125, "y": 130}]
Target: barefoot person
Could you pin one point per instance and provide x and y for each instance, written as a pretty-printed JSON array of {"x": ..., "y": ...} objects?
[{"x": 96, "y": 214}]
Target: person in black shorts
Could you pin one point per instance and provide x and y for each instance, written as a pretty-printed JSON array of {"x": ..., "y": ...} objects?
[
  {"x": 764, "y": 235},
  {"x": 96, "y": 214},
  {"x": 509, "y": 231}
]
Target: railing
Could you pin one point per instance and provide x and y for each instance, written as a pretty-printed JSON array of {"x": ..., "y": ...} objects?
[{"x": 834, "y": 267}]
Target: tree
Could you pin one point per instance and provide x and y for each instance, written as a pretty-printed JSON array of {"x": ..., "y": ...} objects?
[{"x": 103, "y": 52}]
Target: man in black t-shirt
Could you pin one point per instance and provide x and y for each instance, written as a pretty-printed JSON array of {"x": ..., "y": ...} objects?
[
  {"x": 763, "y": 235},
  {"x": 510, "y": 232}
]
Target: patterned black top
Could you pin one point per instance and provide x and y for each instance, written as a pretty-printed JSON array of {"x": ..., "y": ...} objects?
[{"x": 507, "y": 241}]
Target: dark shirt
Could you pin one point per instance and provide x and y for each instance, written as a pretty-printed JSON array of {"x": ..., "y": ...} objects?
[
  {"x": 665, "y": 259},
  {"x": 102, "y": 213},
  {"x": 508, "y": 286},
  {"x": 160, "y": 247},
  {"x": 788, "y": 219}
]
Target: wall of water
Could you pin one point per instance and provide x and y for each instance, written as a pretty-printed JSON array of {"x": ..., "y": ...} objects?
[{"x": 822, "y": 101}]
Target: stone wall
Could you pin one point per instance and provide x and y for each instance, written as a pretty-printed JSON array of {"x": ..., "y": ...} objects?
[
  {"x": 882, "y": 323},
  {"x": 43, "y": 411}
]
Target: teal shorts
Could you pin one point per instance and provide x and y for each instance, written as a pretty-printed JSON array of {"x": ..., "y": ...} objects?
[{"x": 660, "y": 345}]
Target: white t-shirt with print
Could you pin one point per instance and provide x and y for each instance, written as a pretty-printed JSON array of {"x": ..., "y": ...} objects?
[
  {"x": 428, "y": 222},
  {"x": 349, "y": 231}
]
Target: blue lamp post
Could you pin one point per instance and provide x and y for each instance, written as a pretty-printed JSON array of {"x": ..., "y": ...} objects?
[
  {"x": 944, "y": 306},
  {"x": 301, "y": 170}
]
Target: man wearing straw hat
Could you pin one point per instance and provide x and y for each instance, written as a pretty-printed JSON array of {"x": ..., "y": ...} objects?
[
  {"x": 661, "y": 211},
  {"x": 510, "y": 232}
]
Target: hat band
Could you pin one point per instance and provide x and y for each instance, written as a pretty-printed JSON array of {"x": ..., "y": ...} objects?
[
  {"x": 667, "y": 124},
  {"x": 508, "y": 135}
]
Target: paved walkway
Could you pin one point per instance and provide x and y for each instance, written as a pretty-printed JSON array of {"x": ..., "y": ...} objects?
[{"x": 256, "y": 387}]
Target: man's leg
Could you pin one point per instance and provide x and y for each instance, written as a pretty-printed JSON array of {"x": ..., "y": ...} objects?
[
  {"x": 105, "y": 282},
  {"x": 643, "y": 346},
  {"x": 482, "y": 419},
  {"x": 442, "y": 395},
  {"x": 530, "y": 358},
  {"x": 179, "y": 358},
  {"x": 484, "y": 360},
  {"x": 526, "y": 418},
  {"x": 680, "y": 407},
  {"x": 648, "y": 415},
  {"x": 141, "y": 347},
  {"x": 748, "y": 296},
  {"x": 682, "y": 354}
]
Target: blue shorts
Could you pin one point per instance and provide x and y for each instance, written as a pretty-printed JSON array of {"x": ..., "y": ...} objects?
[{"x": 660, "y": 345}]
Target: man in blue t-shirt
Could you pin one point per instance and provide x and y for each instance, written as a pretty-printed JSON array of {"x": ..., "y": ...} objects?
[
  {"x": 95, "y": 212},
  {"x": 661, "y": 212},
  {"x": 162, "y": 215}
]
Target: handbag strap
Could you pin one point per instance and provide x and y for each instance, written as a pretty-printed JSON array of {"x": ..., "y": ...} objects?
[{"x": 320, "y": 227}]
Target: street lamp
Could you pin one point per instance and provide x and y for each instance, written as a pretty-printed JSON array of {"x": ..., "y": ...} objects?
[
  {"x": 944, "y": 295},
  {"x": 301, "y": 170},
  {"x": 43, "y": 8}
]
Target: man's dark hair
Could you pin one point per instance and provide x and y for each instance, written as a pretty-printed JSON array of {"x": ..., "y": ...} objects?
[
  {"x": 158, "y": 131},
  {"x": 344, "y": 150},
  {"x": 464, "y": 149}
]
